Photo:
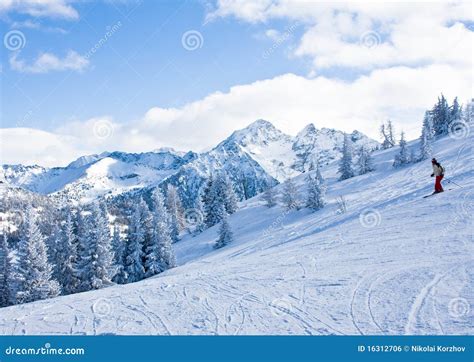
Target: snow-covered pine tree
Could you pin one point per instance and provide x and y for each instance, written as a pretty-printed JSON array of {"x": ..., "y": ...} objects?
[
  {"x": 403, "y": 157},
  {"x": 5, "y": 270},
  {"x": 146, "y": 225},
  {"x": 226, "y": 191},
  {"x": 455, "y": 113},
  {"x": 387, "y": 133},
  {"x": 53, "y": 242},
  {"x": 290, "y": 196},
  {"x": 269, "y": 195},
  {"x": 105, "y": 261},
  {"x": 426, "y": 138},
  {"x": 159, "y": 254},
  {"x": 134, "y": 247},
  {"x": 226, "y": 235},
  {"x": 81, "y": 261},
  {"x": 197, "y": 216},
  {"x": 468, "y": 112},
  {"x": 211, "y": 202},
  {"x": 365, "y": 163},
  {"x": 441, "y": 116},
  {"x": 95, "y": 266},
  {"x": 316, "y": 190},
  {"x": 175, "y": 211},
  {"x": 345, "y": 164},
  {"x": 118, "y": 246},
  {"x": 65, "y": 256},
  {"x": 34, "y": 280},
  {"x": 391, "y": 133}
]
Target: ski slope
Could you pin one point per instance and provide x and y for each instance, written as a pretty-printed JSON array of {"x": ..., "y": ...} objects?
[{"x": 393, "y": 263}]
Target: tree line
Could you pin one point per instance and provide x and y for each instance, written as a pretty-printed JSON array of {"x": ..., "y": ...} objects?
[{"x": 88, "y": 250}]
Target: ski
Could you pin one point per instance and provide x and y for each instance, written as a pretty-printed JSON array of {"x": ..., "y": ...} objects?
[{"x": 435, "y": 193}]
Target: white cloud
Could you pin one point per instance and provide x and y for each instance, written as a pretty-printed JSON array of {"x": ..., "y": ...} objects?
[
  {"x": 289, "y": 101},
  {"x": 36, "y": 25},
  {"x": 32, "y": 146},
  {"x": 40, "y": 8},
  {"x": 363, "y": 35},
  {"x": 47, "y": 62}
]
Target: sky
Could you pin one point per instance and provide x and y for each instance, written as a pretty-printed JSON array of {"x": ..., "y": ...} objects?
[{"x": 83, "y": 77}]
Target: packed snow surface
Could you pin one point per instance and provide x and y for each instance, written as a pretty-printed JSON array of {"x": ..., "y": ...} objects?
[{"x": 392, "y": 263}]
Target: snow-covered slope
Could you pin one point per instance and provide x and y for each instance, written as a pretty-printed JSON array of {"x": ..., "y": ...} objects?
[
  {"x": 393, "y": 263},
  {"x": 259, "y": 153}
]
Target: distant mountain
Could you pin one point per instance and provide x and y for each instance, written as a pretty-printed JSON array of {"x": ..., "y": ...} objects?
[{"x": 255, "y": 157}]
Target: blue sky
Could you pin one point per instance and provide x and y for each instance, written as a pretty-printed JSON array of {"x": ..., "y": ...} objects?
[
  {"x": 341, "y": 65},
  {"x": 142, "y": 65}
]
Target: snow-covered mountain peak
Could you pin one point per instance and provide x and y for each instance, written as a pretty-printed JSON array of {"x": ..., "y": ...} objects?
[
  {"x": 307, "y": 130},
  {"x": 260, "y": 132},
  {"x": 85, "y": 160}
]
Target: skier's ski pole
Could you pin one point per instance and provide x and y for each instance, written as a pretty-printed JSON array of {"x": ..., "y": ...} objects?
[{"x": 452, "y": 182}]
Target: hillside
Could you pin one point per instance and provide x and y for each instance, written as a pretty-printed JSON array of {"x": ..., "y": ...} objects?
[{"x": 393, "y": 263}]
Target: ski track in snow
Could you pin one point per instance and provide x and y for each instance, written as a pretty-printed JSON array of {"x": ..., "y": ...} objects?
[{"x": 309, "y": 273}]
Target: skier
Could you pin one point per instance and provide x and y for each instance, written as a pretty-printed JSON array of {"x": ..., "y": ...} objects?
[{"x": 438, "y": 172}]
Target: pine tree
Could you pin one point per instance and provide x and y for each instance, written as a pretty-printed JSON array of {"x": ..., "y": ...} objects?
[
  {"x": 290, "y": 195},
  {"x": 316, "y": 190},
  {"x": 426, "y": 137},
  {"x": 391, "y": 133},
  {"x": 134, "y": 248},
  {"x": 226, "y": 190},
  {"x": 5, "y": 270},
  {"x": 175, "y": 211},
  {"x": 269, "y": 195},
  {"x": 455, "y": 113},
  {"x": 212, "y": 203},
  {"x": 146, "y": 225},
  {"x": 345, "y": 165},
  {"x": 226, "y": 235},
  {"x": 197, "y": 216},
  {"x": 118, "y": 246},
  {"x": 34, "y": 280},
  {"x": 159, "y": 254},
  {"x": 468, "y": 112},
  {"x": 95, "y": 262},
  {"x": 402, "y": 158},
  {"x": 387, "y": 133},
  {"x": 66, "y": 251},
  {"x": 441, "y": 116},
  {"x": 365, "y": 162},
  {"x": 81, "y": 260}
]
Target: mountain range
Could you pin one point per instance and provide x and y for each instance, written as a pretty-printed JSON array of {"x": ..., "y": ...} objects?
[{"x": 255, "y": 157}]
